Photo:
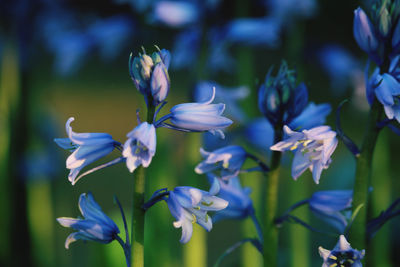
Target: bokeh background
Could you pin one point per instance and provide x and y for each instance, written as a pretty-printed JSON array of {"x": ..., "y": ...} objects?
[{"x": 70, "y": 58}]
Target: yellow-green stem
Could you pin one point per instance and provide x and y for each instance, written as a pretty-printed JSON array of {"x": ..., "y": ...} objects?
[
  {"x": 138, "y": 216},
  {"x": 270, "y": 245}
]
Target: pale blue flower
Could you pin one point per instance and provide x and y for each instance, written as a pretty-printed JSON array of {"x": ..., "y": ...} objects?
[
  {"x": 260, "y": 132},
  {"x": 341, "y": 255},
  {"x": 96, "y": 226},
  {"x": 333, "y": 206},
  {"x": 227, "y": 160},
  {"x": 175, "y": 13},
  {"x": 140, "y": 147},
  {"x": 313, "y": 149},
  {"x": 230, "y": 96},
  {"x": 190, "y": 205},
  {"x": 186, "y": 46},
  {"x": 86, "y": 148},
  {"x": 240, "y": 204},
  {"x": 200, "y": 117}
]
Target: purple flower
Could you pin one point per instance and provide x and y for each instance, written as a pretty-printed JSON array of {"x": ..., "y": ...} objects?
[{"x": 341, "y": 255}]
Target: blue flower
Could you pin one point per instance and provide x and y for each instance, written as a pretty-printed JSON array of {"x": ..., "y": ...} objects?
[
  {"x": 240, "y": 204},
  {"x": 230, "y": 96},
  {"x": 186, "y": 46},
  {"x": 175, "y": 13},
  {"x": 228, "y": 160},
  {"x": 86, "y": 148},
  {"x": 396, "y": 38},
  {"x": 341, "y": 255},
  {"x": 331, "y": 207},
  {"x": 96, "y": 226},
  {"x": 190, "y": 205},
  {"x": 387, "y": 91},
  {"x": 313, "y": 149},
  {"x": 140, "y": 147},
  {"x": 150, "y": 75},
  {"x": 364, "y": 32},
  {"x": 200, "y": 117}
]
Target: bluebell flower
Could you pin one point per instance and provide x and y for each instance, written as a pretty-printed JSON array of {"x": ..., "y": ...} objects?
[
  {"x": 96, "y": 226},
  {"x": 190, "y": 205},
  {"x": 253, "y": 31},
  {"x": 279, "y": 98},
  {"x": 364, "y": 32},
  {"x": 186, "y": 47},
  {"x": 332, "y": 206},
  {"x": 260, "y": 132},
  {"x": 150, "y": 75},
  {"x": 140, "y": 147},
  {"x": 341, "y": 255},
  {"x": 219, "y": 56},
  {"x": 175, "y": 13},
  {"x": 227, "y": 160},
  {"x": 200, "y": 117},
  {"x": 313, "y": 149},
  {"x": 387, "y": 91},
  {"x": 285, "y": 11},
  {"x": 230, "y": 96},
  {"x": 86, "y": 148},
  {"x": 240, "y": 204}
]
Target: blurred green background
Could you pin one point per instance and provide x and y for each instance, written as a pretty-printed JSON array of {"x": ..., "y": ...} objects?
[{"x": 36, "y": 101}]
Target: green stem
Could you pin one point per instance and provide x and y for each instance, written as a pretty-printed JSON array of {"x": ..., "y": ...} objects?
[
  {"x": 270, "y": 244},
  {"x": 137, "y": 230},
  {"x": 363, "y": 176}
]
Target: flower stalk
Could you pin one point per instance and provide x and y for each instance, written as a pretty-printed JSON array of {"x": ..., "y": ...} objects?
[
  {"x": 270, "y": 243},
  {"x": 138, "y": 212}
]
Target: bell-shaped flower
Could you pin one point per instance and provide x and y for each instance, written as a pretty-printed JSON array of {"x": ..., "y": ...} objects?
[
  {"x": 190, "y": 205},
  {"x": 331, "y": 206},
  {"x": 86, "y": 148},
  {"x": 200, "y": 117},
  {"x": 140, "y": 147},
  {"x": 313, "y": 149},
  {"x": 364, "y": 32},
  {"x": 96, "y": 226},
  {"x": 175, "y": 13},
  {"x": 227, "y": 160},
  {"x": 230, "y": 96},
  {"x": 341, "y": 255},
  {"x": 150, "y": 75},
  {"x": 387, "y": 91},
  {"x": 240, "y": 204}
]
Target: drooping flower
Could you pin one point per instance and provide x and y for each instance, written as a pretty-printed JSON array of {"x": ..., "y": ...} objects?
[
  {"x": 387, "y": 91},
  {"x": 227, "y": 160},
  {"x": 86, "y": 148},
  {"x": 200, "y": 117},
  {"x": 341, "y": 255},
  {"x": 140, "y": 147},
  {"x": 190, "y": 205},
  {"x": 331, "y": 206},
  {"x": 313, "y": 149},
  {"x": 150, "y": 75},
  {"x": 96, "y": 226},
  {"x": 240, "y": 204}
]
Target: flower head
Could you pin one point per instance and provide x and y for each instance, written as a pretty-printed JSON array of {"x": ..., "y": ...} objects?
[
  {"x": 240, "y": 204},
  {"x": 140, "y": 147},
  {"x": 190, "y": 205},
  {"x": 86, "y": 148},
  {"x": 150, "y": 75},
  {"x": 313, "y": 149},
  {"x": 341, "y": 255},
  {"x": 331, "y": 206},
  {"x": 200, "y": 117},
  {"x": 96, "y": 226},
  {"x": 228, "y": 160}
]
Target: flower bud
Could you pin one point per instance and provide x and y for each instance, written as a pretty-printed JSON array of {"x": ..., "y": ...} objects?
[
  {"x": 385, "y": 21},
  {"x": 364, "y": 32},
  {"x": 279, "y": 99},
  {"x": 150, "y": 75}
]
